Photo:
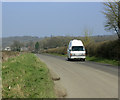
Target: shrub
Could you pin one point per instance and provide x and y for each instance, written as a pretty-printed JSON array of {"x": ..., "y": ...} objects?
[{"x": 106, "y": 49}]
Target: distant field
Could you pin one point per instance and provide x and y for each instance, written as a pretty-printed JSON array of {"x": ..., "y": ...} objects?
[{"x": 25, "y": 76}]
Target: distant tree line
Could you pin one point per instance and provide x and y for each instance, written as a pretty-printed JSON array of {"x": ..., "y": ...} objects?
[
  {"x": 30, "y": 46},
  {"x": 16, "y": 46}
]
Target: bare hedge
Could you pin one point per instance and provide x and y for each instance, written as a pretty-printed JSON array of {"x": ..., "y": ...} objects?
[{"x": 106, "y": 49}]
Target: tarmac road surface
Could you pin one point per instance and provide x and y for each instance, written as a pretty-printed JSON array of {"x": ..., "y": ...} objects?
[{"x": 84, "y": 79}]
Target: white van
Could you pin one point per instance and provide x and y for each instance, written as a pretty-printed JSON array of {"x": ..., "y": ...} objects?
[{"x": 76, "y": 50}]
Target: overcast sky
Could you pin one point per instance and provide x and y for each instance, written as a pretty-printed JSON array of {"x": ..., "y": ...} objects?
[{"x": 57, "y": 19}]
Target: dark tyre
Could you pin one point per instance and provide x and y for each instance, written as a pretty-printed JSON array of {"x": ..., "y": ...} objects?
[
  {"x": 83, "y": 59},
  {"x": 68, "y": 59}
]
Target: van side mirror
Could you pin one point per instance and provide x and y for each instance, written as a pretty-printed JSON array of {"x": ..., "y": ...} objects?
[{"x": 69, "y": 49}]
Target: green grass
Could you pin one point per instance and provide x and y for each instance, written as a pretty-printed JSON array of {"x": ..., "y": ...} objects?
[
  {"x": 25, "y": 76},
  {"x": 102, "y": 60}
]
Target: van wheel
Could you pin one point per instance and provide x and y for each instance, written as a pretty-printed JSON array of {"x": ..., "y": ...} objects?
[
  {"x": 83, "y": 59},
  {"x": 68, "y": 59}
]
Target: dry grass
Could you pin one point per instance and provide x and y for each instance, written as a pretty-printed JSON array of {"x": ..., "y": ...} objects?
[{"x": 9, "y": 54}]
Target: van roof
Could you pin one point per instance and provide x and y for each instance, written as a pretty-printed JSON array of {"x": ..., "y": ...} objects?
[{"x": 76, "y": 42}]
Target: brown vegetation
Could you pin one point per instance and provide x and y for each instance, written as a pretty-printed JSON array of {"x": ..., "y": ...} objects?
[
  {"x": 59, "y": 50},
  {"x": 9, "y": 54}
]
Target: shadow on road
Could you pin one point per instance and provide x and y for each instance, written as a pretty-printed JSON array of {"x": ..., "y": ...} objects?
[{"x": 75, "y": 60}]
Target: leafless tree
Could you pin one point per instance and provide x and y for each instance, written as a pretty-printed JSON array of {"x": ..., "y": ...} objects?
[{"x": 112, "y": 14}]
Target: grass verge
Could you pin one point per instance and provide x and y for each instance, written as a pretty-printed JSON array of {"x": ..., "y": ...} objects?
[
  {"x": 25, "y": 76},
  {"x": 102, "y": 60}
]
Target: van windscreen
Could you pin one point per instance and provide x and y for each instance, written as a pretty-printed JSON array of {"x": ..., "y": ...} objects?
[{"x": 77, "y": 48}]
